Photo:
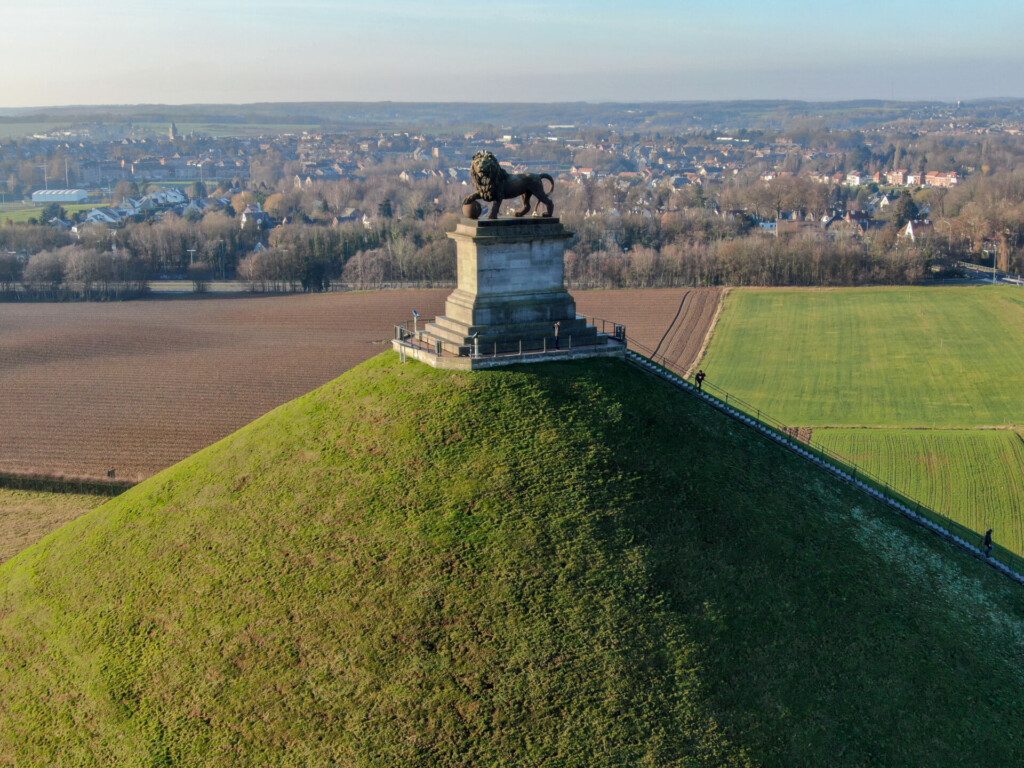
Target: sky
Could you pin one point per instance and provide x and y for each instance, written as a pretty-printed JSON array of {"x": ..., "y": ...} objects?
[{"x": 57, "y": 52}]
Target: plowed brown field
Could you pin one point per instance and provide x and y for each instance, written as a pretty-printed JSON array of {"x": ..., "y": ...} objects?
[
  {"x": 670, "y": 322},
  {"x": 136, "y": 386}
]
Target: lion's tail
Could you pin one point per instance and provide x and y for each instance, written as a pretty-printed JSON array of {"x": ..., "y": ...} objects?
[{"x": 548, "y": 177}]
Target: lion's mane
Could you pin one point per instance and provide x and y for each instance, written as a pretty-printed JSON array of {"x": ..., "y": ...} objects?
[{"x": 487, "y": 174}]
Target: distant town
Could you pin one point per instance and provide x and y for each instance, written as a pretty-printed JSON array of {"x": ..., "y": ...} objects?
[{"x": 901, "y": 194}]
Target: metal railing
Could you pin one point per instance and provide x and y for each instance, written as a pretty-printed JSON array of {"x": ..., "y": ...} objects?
[
  {"x": 520, "y": 347},
  {"x": 997, "y": 274},
  {"x": 1001, "y": 559}
]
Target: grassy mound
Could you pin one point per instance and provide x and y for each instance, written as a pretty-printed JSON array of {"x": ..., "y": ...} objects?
[{"x": 568, "y": 565}]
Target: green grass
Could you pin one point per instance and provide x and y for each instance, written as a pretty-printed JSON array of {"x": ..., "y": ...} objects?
[
  {"x": 567, "y": 564},
  {"x": 22, "y": 215},
  {"x": 975, "y": 477},
  {"x": 931, "y": 357},
  {"x": 17, "y": 130},
  {"x": 27, "y": 516}
]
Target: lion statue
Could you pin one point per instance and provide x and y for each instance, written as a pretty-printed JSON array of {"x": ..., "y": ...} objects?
[{"x": 494, "y": 184}]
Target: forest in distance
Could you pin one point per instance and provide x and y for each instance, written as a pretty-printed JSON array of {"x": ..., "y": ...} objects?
[{"x": 767, "y": 114}]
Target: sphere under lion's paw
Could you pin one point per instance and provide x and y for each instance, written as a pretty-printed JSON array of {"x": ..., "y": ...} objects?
[{"x": 472, "y": 210}]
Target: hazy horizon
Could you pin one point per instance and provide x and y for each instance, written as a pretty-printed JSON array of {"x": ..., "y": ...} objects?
[
  {"x": 112, "y": 52},
  {"x": 510, "y": 102}
]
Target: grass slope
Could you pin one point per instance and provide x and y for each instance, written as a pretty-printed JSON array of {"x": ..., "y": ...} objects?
[
  {"x": 27, "y": 516},
  {"x": 570, "y": 564},
  {"x": 931, "y": 357}
]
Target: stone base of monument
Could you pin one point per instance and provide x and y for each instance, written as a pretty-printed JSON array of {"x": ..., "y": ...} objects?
[{"x": 510, "y": 305}]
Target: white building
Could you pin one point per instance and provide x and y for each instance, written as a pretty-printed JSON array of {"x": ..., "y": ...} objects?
[{"x": 60, "y": 196}]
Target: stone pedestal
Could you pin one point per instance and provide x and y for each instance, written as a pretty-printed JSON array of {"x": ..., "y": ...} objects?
[
  {"x": 510, "y": 294},
  {"x": 511, "y": 289}
]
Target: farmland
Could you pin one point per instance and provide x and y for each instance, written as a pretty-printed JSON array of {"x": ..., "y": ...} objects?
[
  {"x": 910, "y": 357},
  {"x": 676, "y": 334},
  {"x": 137, "y": 386},
  {"x": 920, "y": 386},
  {"x": 969, "y": 475},
  {"x": 672, "y": 322}
]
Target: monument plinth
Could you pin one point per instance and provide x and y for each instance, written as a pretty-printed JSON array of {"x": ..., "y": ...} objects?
[
  {"x": 510, "y": 304},
  {"x": 511, "y": 287}
]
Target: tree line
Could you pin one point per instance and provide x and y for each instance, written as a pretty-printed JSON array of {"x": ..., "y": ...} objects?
[
  {"x": 74, "y": 272},
  {"x": 634, "y": 234}
]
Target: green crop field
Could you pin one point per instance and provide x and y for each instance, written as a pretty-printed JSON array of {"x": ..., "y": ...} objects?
[
  {"x": 17, "y": 130},
  {"x": 931, "y": 357},
  {"x": 973, "y": 476},
  {"x": 909, "y": 375}
]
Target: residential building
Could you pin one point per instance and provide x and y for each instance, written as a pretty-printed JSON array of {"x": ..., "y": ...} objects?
[
  {"x": 942, "y": 179},
  {"x": 897, "y": 178},
  {"x": 254, "y": 213},
  {"x": 916, "y": 230}
]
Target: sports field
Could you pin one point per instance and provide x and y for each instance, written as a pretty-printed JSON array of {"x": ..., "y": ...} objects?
[
  {"x": 21, "y": 214},
  {"x": 906, "y": 382}
]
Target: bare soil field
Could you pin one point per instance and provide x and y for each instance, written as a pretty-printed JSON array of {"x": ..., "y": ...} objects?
[
  {"x": 136, "y": 386},
  {"x": 672, "y": 321}
]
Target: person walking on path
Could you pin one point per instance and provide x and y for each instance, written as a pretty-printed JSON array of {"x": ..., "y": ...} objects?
[
  {"x": 558, "y": 327},
  {"x": 699, "y": 378},
  {"x": 987, "y": 543}
]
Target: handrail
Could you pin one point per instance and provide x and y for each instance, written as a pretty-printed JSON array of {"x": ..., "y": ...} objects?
[
  {"x": 519, "y": 348},
  {"x": 826, "y": 459}
]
